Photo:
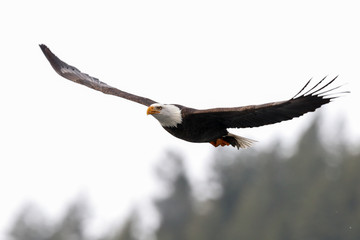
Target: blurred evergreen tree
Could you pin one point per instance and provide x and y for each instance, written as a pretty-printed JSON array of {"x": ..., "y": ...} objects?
[
  {"x": 72, "y": 226},
  {"x": 177, "y": 208},
  {"x": 32, "y": 225},
  {"x": 125, "y": 232}
]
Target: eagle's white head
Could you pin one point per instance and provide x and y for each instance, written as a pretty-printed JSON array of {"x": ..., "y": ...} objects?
[{"x": 167, "y": 114}]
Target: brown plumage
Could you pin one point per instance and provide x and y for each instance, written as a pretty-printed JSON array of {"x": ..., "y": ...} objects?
[
  {"x": 73, "y": 74},
  {"x": 210, "y": 125}
]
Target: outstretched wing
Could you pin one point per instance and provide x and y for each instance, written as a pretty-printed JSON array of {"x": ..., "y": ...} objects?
[
  {"x": 75, "y": 75},
  {"x": 258, "y": 115}
]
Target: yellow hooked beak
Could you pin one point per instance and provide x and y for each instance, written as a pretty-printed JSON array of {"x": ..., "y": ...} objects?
[{"x": 152, "y": 110}]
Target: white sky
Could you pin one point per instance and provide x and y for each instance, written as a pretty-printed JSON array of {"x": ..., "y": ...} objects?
[{"x": 59, "y": 139}]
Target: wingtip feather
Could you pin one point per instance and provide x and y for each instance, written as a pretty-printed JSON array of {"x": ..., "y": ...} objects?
[{"x": 43, "y": 47}]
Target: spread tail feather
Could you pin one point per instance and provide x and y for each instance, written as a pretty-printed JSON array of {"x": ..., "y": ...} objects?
[{"x": 240, "y": 142}]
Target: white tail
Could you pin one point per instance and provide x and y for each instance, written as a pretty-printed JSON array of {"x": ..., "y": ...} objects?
[{"x": 242, "y": 142}]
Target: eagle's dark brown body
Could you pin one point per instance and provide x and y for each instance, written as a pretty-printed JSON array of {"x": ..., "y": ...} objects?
[{"x": 196, "y": 130}]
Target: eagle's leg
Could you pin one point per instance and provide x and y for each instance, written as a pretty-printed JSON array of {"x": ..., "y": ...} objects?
[{"x": 220, "y": 142}]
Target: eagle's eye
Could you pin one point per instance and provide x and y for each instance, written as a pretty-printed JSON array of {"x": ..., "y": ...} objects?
[{"x": 159, "y": 108}]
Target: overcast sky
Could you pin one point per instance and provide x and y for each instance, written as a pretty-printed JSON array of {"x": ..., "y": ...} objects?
[{"x": 59, "y": 139}]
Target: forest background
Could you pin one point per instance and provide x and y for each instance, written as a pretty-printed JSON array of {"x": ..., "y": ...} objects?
[{"x": 312, "y": 192}]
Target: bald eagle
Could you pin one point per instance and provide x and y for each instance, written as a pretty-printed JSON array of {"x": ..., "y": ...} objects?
[{"x": 208, "y": 125}]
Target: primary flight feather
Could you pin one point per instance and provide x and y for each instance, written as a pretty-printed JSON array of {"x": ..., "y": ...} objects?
[{"x": 209, "y": 125}]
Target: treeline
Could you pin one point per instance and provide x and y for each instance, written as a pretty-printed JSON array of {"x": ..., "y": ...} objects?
[{"x": 312, "y": 193}]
